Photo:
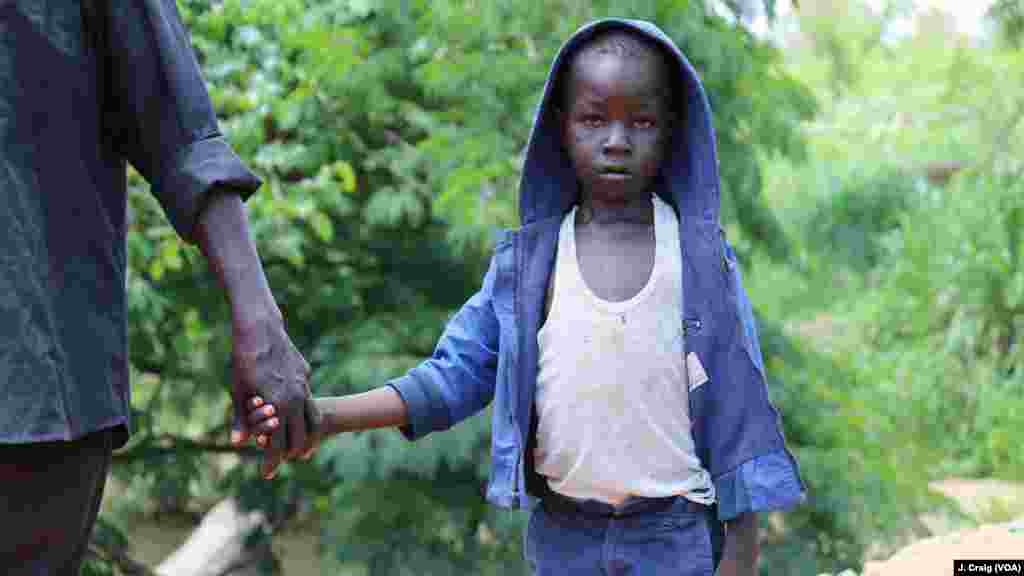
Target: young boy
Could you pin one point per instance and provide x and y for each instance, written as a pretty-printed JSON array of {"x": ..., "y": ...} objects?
[{"x": 612, "y": 334}]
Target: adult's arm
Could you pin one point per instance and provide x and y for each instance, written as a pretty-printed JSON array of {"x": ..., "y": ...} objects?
[
  {"x": 158, "y": 113},
  {"x": 266, "y": 363}
]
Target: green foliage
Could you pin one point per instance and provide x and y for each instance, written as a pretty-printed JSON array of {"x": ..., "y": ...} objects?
[
  {"x": 389, "y": 137},
  {"x": 852, "y": 222},
  {"x": 902, "y": 298},
  {"x": 1009, "y": 16},
  {"x": 843, "y": 435},
  {"x": 956, "y": 292}
]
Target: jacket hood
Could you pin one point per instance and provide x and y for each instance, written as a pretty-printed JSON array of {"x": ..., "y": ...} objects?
[{"x": 689, "y": 174}]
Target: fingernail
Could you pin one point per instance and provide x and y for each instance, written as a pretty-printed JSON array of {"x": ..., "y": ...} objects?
[
  {"x": 236, "y": 437},
  {"x": 269, "y": 410}
]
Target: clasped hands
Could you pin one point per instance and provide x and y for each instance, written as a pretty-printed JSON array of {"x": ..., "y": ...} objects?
[{"x": 267, "y": 366}]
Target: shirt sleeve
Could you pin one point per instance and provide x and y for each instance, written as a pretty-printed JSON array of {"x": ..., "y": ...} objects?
[{"x": 159, "y": 113}]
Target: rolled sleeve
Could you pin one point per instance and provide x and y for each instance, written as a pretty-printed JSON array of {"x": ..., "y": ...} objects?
[
  {"x": 424, "y": 407},
  {"x": 768, "y": 482},
  {"x": 158, "y": 111},
  {"x": 200, "y": 168},
  {"x": 459, "y": 380}
]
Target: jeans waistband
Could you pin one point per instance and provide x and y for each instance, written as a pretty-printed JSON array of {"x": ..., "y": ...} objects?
[{"x": 558, "y": 503}]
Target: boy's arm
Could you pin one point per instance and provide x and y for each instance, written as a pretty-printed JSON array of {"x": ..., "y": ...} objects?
[
  {"x": 454, "y": 383},
  {"x": 459, "y": 378},
  {"x": 739, "y": 556},
  {"x": 379, "y": 408}
]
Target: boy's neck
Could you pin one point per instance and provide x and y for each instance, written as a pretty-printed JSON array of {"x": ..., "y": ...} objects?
[{"x": 639, "y": 210}]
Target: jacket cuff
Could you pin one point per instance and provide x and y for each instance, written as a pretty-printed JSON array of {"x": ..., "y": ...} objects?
[
  {"x": 768, "y": 482},
  {"x": 424, "y": 407},
  {"x": 184, "y": 186}
]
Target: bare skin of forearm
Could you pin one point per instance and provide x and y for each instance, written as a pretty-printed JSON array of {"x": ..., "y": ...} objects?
[
  {"x": 379, "y": 408},
  {"x": 739, "y": 557},
  {"x": 232, "y": 256}
]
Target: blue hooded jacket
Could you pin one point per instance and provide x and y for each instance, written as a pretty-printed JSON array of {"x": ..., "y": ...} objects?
[{"x": 489, "y": 349}]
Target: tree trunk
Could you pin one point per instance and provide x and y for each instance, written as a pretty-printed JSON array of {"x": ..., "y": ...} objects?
[{"x": 219, "y": 546}]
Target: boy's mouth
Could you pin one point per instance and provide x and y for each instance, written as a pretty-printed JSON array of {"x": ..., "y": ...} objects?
[{"x": 614, "y": 171}]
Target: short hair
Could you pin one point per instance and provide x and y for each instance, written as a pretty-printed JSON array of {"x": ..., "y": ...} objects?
[{"x": 621, "y": 42}]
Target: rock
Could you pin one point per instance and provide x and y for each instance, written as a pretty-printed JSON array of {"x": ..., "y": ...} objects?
[
  {"x": 217, "y": 547},
  {"x": 934, "y": 556}
]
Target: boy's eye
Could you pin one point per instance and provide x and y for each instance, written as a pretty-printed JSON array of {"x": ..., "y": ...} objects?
[
  {"x": 644, "y": 123},
  {"x": 592, "y": 121}
]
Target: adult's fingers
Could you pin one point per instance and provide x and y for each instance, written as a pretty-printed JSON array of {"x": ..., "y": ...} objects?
[
  {"x": 296, "y": 425},
  {"x": 314, "y": 427},
  {"x": 239, "y": 427},
  {"x": 314, "y": 419},
  {"x": 274, "y": 453}
]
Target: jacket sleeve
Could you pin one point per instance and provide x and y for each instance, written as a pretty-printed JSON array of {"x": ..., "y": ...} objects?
[
  {"x": 158, "y": 111},
  {"x": 769, "y": 481},
  {"x": 458, "y": 380}
]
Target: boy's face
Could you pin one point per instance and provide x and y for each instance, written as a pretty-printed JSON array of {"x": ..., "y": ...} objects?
[{"x": 616, "y": 124}]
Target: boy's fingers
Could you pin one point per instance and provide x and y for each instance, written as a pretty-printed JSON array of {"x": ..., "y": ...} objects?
[
  {"x": 267, "y": 427},
  {"x": 258, "y": 421},
  {"x": 256, "y": 402},
  {"x": 257, "y": 416}
]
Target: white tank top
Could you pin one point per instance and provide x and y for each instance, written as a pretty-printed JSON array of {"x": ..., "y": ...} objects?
[{"x": 612, "y": 396}]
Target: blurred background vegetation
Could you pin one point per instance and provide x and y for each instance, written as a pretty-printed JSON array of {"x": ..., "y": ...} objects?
[{"x": 871, "y": 184}]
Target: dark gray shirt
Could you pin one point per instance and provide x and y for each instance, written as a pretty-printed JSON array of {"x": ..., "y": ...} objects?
[{"x": 86, "y": 86}]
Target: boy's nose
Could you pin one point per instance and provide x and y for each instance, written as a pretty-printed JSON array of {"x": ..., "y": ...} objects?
[{"x": 618, "y": 140}]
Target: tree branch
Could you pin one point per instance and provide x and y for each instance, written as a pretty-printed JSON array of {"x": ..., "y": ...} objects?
[
  {"x": 124, "y": 563},
  {"x": 169, "y": 445}
]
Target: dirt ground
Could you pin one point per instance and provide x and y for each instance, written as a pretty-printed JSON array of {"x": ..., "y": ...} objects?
[
  {"x": 934, "y": 556},
  {"x": 979, "y": 499}
]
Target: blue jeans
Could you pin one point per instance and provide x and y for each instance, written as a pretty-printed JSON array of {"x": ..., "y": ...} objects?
[{"x": 670, "y": 541}]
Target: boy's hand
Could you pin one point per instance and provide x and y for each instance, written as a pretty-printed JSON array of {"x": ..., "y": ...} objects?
[
  {"x": 739, "y": 557},
  {"x": 263, "y": 421}
]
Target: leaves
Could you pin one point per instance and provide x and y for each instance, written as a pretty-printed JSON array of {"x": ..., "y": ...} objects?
[{"x": 389, "y": 137}]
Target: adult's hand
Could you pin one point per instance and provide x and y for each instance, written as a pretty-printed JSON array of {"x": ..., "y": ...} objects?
[
  {"x": 267, "y": 364},
  {"x": 265, "y": 361}
]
